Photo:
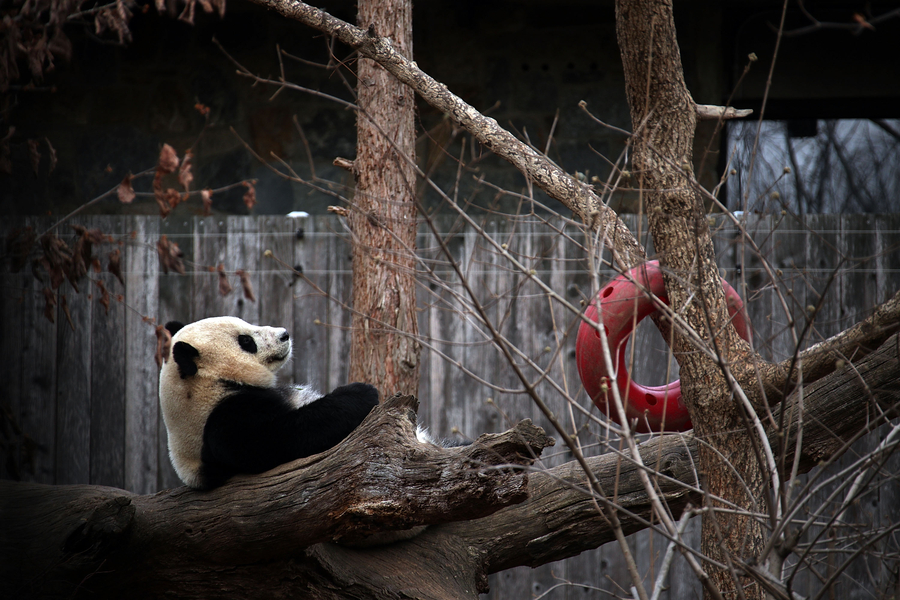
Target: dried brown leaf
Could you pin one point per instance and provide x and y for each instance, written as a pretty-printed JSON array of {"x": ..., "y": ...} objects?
[
  {"x": 64, "y": 305},
  {"x": 206, "y": 197},
  {"x": 79, "y": 266},
  {"x": 202, "y": 109},
  {"x": 224, "y": 287},
  {"x": 169, "y": 256},
  {"x": 245, "y": 283},
  {"x": 55, "y": 271},
  {"x": 49, "y": 304},
  {"x": 36, "y": 52},
  {"x": 250, "y": 195},
  {"x": 114, "y": 265},
  {"x": 126, "y": 190},
  {"x": 163, "y": 344},
  {"x": 168, "y": 160},
  {"x": 60, "y": 46},
  {"x": 115, "y": 18},
  {"x": 861, "y": 19},
  {"x": 34, "y": 154},
  {"x": 52, "y": 151},
  {"x": 57, "y": 260},
  {"x": 104, "y": 295},
  {"x": 160, "y": 196},
  {"x": 173, "y": 197},
  {"x": 187, "y": 15},
  {"x": 82, "y": 253},
  {"x": 185, "y": 177}
]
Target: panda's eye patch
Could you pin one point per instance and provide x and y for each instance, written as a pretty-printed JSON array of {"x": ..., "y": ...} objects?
[{"x": 247, "y": 343}]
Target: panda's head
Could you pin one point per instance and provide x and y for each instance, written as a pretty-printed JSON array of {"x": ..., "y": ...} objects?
[{"x": 227, "y": 349}]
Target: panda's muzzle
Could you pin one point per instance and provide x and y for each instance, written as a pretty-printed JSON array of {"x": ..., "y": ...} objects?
[{"x": 279, "y": 357}]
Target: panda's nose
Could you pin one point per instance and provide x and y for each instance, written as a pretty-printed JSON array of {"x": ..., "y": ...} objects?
[{"x": 284, "y": 336}]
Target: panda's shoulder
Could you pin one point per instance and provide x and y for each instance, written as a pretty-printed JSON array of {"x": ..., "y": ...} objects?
[{"x": 238, "y": 401}]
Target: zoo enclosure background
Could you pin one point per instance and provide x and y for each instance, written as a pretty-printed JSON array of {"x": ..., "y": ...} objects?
[{"x": 81, "y": 392}]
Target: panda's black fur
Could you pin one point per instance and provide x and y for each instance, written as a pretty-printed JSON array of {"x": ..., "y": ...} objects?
[
  {"x": 254, "y": 429},
  {"x": 224, "y": 413}
]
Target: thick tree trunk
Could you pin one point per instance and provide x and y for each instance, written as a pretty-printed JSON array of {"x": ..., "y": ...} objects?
[
  {"x": 383, "y": 346},
  {"x": 664, "y": 118}
]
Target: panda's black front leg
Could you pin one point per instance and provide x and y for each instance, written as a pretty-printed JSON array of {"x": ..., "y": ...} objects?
[
  {"x": 324, "y": 423},
  {"x": 257, "y": 429}
]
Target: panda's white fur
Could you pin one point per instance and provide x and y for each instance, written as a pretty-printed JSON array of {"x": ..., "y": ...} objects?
[{"x": 224, "y": 412}]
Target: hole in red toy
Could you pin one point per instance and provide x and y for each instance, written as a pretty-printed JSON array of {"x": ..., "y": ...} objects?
[
  {"x": 605, "y": 330},
  {"x": 654, "y": 363},
  {"x": 651, "y": 399},
  {"x": 608, "y": 290}
]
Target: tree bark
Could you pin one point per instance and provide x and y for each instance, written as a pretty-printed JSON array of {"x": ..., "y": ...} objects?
[
  {"x": 383, "y": 344},
  {"x": 59, "y": 540},
  {"x": 664, "y": 119}
]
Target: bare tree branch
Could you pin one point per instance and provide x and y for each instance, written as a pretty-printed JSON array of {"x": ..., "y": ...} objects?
[
  {"x": 575, "y": 195},
  {"x": 710, "y": 112}
]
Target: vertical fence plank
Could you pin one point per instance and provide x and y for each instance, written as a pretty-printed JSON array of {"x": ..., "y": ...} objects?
[
  {"x": 175, "y": 304},
  {"x": 484, "y": 415},
  {"x": 175, "y": 290},
  {"x": 310, "y": 306},
  {"x": 447, "y": 335},
  {"x": 210, "y": 251},
  {"x": 789, "y": 239},
  {"x": 37, "y": 415},
  {"x": 754, "y": 285},
  {"x": 242, "y": 252},
  {"x": 73, "y": 387},
  {"x": 463, "y": 390},
  {"x": 141, "y": 273},
  {"x": 271, "y": 279},
  {"x": 15, "y": 343},
  {"x": 107, "y": 417},
  {"x": 424, "y": 298},
  {"x": 337, "y": 314}
]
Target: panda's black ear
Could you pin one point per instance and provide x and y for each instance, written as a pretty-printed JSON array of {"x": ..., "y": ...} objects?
[
  {"x": 174, "y": 326},
  {"x": 184, "y": 355}
]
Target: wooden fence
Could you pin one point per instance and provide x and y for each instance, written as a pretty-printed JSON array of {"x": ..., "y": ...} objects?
[{"x": 80, "y": 398}]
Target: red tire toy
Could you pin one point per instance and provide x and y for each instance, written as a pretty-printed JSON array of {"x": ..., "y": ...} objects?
[{"x": 656, "y": 408}]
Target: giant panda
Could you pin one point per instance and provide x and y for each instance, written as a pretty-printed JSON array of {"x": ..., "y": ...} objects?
[{"x": 224, "y": 412}]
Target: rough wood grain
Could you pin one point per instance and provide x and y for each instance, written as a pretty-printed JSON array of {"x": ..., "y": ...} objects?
[
  {"x": 142, "y": 418},
  {"x": 73, "y": 386},
  {"x": 380, "y": 478}
]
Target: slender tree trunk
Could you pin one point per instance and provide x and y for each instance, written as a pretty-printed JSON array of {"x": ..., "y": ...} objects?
[
  {"x": 664, "y": 118},
  {"x": 383, "y": 346}
]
